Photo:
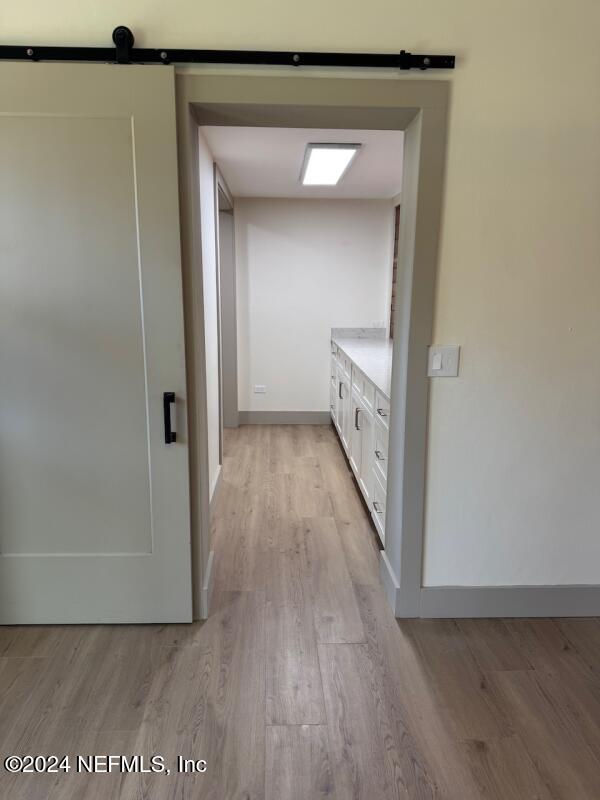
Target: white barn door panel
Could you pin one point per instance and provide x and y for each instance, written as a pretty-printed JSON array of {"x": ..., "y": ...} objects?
[{"x": 94, "y": 506}]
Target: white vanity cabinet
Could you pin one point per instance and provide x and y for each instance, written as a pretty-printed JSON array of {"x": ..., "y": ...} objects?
[{"x": 360, "y": 412}]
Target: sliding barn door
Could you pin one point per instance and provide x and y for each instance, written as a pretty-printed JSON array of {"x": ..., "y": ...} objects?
[{"x": 94, "y": 508}]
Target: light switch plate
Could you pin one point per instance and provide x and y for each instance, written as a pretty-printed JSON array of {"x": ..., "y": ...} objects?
[
  {"x": 260, "y": 388},
  {"x": 442, "y": 361}
]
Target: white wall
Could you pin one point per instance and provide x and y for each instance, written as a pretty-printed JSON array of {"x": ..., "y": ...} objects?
[
  {"x": 209, "y": 276},
  {"x": 514, "y": 451},
  {"x": 303, "y": 267}
]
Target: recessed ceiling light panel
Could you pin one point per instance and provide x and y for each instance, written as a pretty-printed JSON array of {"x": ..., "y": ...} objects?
[{"x": 326, "y": 164}]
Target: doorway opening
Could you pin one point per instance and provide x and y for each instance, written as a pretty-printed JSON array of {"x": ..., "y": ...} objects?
[
  {"x": 266, "y": 312},
  {"x": 304, "y": 291}
]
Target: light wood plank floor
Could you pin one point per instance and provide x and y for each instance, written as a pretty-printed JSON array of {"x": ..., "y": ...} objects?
[{"x": 302, "y": 685}]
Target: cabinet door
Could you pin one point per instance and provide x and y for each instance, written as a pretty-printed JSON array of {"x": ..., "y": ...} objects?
[
  {"x": 333, "y": 372},
  {"x": 365, "y": 479},
  {"x": 339, "y": 404},
  {"x": 344, "y": 406},
  {"x": 337, "y": 400},
  {"x": 333, "y": 403},
  {"x": 355, "y": 434}
]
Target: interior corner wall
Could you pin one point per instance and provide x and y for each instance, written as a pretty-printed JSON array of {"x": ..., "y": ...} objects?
[
  {"x": 206, "y": 177},
  {"x": 303, "y": 267}
]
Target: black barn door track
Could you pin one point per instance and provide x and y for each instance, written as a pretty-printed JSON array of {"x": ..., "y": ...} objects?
[{"x": 124, "y": 52}]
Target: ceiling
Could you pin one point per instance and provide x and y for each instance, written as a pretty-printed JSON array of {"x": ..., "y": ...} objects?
[{"x": 266, "y": 162}]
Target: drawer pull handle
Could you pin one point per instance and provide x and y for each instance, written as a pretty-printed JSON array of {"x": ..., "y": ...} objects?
[
  {"x": 379, "y": 456},
  {"x": 377, "y": 508},
  {"x": 382, "y": 412}
]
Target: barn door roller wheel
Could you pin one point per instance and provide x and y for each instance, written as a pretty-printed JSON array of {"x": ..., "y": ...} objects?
[{"x": 124, "y": 40}]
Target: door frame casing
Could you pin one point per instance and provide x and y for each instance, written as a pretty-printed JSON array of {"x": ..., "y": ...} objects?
[
  {"x": 228, "y": 399},
  {"x": 419, "y": 108}
]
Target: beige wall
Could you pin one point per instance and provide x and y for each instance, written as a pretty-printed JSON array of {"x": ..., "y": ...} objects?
[{"x": 514, "y": 454}]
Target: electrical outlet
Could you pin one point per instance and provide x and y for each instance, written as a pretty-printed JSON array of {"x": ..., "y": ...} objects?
[{"x": 260, "y": 388}]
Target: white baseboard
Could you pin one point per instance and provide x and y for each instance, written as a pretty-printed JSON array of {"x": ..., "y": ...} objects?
[{"x": 436, "y": 602}]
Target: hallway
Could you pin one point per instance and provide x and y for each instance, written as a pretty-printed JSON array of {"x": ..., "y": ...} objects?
[{"x": 302, "y": 685}]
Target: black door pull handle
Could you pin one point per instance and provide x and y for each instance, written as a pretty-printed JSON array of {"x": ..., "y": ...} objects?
[{"x": 168, "y": 400}]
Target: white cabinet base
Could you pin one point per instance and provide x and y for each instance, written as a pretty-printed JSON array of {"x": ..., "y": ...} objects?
[{"x": 360, "y": 413}]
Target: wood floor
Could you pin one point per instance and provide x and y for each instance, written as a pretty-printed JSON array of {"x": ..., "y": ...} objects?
[{"x": 302, "y": 685}]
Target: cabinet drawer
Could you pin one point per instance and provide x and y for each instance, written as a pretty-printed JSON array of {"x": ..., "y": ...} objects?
[
  {"x": 346, "y": 363},
  {"x": 378, "y": 509},
  {"x": 382, "y": 409},
  {"x": 363, "y": 387},
  {"x": 380, "y": 452},
  {"x": 341, "y": 359}
]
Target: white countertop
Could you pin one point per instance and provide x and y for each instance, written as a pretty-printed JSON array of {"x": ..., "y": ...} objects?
[{"x": 373, "y": 357}]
